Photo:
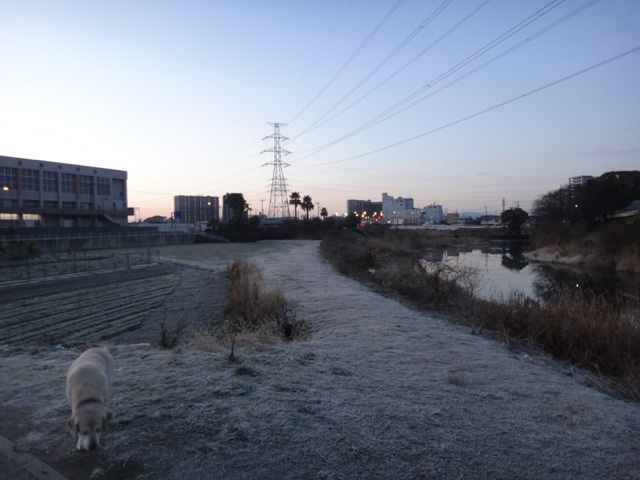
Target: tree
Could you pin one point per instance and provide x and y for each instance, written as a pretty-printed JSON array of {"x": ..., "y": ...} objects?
[
  {"x": 307, "y": 205},
  {"x": 591, "y": 202},
  {"x": 555, "y": 206},
  {"x": 323, "y": 213},
  {"x": 514, "y": 219},
  {"x": 238, "y": 207},
  {"x": 294, "y": 199}
]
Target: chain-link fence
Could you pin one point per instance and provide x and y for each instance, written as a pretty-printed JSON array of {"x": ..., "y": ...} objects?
[{"x": 67, "y": 264}]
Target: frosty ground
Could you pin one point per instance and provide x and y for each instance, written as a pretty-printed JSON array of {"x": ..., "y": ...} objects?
[{"x": 379, "y": 391}]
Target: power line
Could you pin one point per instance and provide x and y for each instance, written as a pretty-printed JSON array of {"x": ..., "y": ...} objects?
[
  {"x": 393, "y": 53},
  {"x": 494, "y": 107},
  {"x": 389, "y": 112},
  {"x": 397, "y": 72},
  {"x": 366, "y": 41}
]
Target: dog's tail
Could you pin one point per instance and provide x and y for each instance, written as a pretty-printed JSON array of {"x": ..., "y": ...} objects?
[{"x": 128, "y": 348}]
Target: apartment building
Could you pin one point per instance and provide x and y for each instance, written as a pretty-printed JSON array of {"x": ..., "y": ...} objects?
[
  {"x": 38, "y": 193},
  {"x": 397, "y": 210},
  {"x": 580, "y": 180},
  {"x": 361, "y": 206},
  {"x": 195, "y": 209}
]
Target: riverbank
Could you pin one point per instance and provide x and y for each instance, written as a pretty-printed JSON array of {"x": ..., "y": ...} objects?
[
  {"x": 379, "y": 391},
  {"x": 626, "y": 261}
]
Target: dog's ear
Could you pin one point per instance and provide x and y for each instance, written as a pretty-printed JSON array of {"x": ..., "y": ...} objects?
[
  {"x": 71, "y": 423},
  {"x": 106, "y": 419}
]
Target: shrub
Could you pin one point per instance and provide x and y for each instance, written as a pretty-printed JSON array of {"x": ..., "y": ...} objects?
[
  {"x": 596, "y": 333},
  {"x": 252, "y": 314}
]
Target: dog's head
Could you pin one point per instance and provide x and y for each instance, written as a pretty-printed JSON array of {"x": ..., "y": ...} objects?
[{"x": 87, "y": 424}]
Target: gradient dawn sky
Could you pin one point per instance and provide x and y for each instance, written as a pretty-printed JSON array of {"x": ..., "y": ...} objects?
[{"x": 460, "y": 103}]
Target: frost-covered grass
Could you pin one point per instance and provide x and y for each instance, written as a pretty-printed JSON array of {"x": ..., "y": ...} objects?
[
  {"x": 601, "y": 334},
  {"x": 378, "y": 391}
]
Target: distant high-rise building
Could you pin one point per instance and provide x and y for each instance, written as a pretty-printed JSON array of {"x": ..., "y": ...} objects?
[
  {"x": 397, "y": 208},
  {"x": 361, "y": 206},
  {"x": 196, "y": 208},
  {"x": 577, "y": 181}
]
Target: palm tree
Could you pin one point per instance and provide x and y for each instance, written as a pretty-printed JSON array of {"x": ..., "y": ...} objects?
[
  {"x": 307, "y": 205},
  {"x": 323, "y": 213},
  {"x": 294, "y": 199}
]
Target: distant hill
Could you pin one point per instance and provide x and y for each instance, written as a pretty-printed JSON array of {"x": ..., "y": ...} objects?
[{"x": 471, "y": 215}]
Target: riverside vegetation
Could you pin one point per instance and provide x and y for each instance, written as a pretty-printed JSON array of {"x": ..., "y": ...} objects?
[
  {"x": 600, "y": 334},
  {"x": 253, "y": 315}
]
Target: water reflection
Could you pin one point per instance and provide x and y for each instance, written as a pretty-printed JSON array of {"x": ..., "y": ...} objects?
[
  {"x": 506, "y": 270},
  {"x": 513, "y": 258},
  {"x": 551, "y": 281}
]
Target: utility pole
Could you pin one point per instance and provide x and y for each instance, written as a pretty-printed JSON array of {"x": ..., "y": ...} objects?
[{"x": 278, "y": 200}]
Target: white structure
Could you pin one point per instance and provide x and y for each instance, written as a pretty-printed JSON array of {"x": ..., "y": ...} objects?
[
  {"x": 399, "y": 211},
  {"x": 433, "y": 214},
  {"x": 35, "y": 193},
  {"x": 577, "y": 181}
]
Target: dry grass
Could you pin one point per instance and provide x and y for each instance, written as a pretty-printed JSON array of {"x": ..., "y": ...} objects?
[
  {"x": 629, "y": 259},
  {"x": 601, "y": 334},
  {"x": 253, "y": 315},
  {"x": 590, "y": 331}
]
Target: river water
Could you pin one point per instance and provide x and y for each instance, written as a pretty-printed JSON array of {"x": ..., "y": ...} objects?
[{"x": 502, "y": 271}]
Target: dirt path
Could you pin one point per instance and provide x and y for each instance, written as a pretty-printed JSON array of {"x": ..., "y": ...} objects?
[{"x": 379, "y": 391}]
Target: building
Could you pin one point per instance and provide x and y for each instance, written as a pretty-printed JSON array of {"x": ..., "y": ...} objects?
[
  {"x": 196, "y": 209},
  {"x": 36, "y": 193},
  {"x": 433, "y": 214},
  {"x": 362, "y": 206},
  {"x": 397, "y": 210},
  {"x": 577, "y": 181}
]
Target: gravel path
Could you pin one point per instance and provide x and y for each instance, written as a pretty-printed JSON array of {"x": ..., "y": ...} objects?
[{"x": 380, "y": 391}]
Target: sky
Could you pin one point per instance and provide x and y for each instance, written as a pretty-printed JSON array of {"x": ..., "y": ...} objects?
[{"x": 462, "y": 103}]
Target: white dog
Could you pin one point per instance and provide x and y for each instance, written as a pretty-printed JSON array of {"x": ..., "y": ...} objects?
[{"x": 88, "y": 393}]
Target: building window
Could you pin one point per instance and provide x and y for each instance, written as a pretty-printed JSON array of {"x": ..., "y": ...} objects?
[
  {"x": 8, "y": 178},
  {"x": 30, "y": 180},
  {"x": 30, "y": 203},
  {"x": 68, "y": 183},
  {"x": 50, "y": 204},
  {"x": 50, "y": 181},
  {"x": 86, "y": 185},
  {"x": 104, "y": 186}
]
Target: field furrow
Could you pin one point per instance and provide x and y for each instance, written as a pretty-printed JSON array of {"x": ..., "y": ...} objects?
[
  {"x": 86, "y": 314},
  {"x": 14, "y": 312},
  {"x": 79, "y": 318}
]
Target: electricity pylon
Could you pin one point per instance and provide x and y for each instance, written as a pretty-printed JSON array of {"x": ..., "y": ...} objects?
[{"x": 278, "y": 200}]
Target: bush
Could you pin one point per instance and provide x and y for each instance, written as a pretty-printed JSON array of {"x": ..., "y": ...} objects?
[{"x": 252, "y": 314}]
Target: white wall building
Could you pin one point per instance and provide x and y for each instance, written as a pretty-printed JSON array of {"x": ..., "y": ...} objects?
[
  {"x": 433, "y": 214},
  {"x": 397, "y": 210},
  {"x": 51, "y": 194}
]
